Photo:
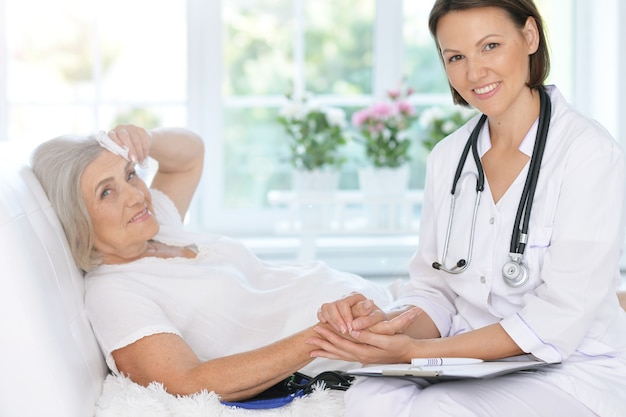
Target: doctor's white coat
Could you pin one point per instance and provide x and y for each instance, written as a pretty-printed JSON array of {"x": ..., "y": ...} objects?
[{"x": 568, "y": 311}]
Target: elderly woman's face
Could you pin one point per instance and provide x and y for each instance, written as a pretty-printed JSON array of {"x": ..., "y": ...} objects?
[{"x": 120, "y": 208}]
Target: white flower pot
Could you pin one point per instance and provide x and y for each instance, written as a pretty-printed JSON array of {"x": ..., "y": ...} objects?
[
  {"x": 317, "y": 180},
  {"x": 383, "y": 190},
  {"x": 314, "y": 191},
  {"x": 377, "y": 182}
]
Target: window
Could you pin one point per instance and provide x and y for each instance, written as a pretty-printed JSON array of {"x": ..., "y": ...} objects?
[
  {"x": 222, "y": 68},
  {"x": 315, "y": 47},
  {"x": 271, "y": 48},
  {"x": 74, "y": 66}
]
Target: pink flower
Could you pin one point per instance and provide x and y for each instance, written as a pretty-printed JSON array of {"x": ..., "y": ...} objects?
[
  {"x": 405, "y": 108},
  {"x": 394, "y": 94},
  {"x": 382, "y": 110},
  {"x": 360, "y": 117}
]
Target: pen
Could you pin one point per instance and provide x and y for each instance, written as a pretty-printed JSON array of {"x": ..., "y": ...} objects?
[
  {"x": 443, "y": 361},
  {"x": 423, "y": 374}
]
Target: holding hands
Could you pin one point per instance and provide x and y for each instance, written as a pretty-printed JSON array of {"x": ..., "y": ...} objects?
[
  {"x": 355, "y": 312},
  {"x": 358, "y": 330}
]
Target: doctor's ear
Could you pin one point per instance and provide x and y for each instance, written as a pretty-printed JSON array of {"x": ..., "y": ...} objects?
[{"x": 531, "y": 34}]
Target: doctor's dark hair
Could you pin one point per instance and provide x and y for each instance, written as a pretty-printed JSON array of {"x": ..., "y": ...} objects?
[
  {"x": 519, "y": 11},
  {"x": 59, "y": 164}
]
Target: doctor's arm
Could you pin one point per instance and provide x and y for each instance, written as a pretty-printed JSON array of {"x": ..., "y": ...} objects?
[{"x": 488, "y": 343}]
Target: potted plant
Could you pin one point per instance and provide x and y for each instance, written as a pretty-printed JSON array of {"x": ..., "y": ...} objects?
[
  {"x": 316, "y": 138},
  {"x": 384, "y": 131},
  {"x": 438, "y": 122}
]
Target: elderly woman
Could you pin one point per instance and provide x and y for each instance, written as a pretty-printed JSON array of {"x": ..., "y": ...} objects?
[{"x": 194, "y": 312}]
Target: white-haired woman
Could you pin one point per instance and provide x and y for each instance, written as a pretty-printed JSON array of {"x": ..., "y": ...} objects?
[{"x": 192, "y": 311}]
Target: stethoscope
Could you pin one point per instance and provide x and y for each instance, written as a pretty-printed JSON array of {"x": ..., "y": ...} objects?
[{"x": 515, "y": 271}]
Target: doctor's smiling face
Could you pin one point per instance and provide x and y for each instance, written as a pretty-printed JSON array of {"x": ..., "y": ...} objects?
[
  {"x": 487, "y": 57},
  {"x": 120, "y": 208}
]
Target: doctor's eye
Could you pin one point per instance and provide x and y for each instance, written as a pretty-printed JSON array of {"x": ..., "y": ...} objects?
[
  {"x": 492, "y": 45},
  {"x": 455, "y": 58}
]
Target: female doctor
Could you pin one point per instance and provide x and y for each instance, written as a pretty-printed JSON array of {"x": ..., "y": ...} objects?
[{"x": 526, "y": 259}]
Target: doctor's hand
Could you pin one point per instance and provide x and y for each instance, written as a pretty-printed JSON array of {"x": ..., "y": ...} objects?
[
  {"x": 366, "y": 346},
  {"x": 353, "y": 312}
]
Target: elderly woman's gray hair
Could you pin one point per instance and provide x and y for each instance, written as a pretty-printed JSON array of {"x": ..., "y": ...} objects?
[{"x": 58, "y": 165}]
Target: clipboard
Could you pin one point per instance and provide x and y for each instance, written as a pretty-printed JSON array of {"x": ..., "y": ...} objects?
[{"x": 482, "y": 370}]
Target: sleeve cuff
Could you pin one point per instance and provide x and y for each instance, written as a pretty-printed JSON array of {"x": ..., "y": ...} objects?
[
  {"x": 528, "y": 340},
  {"x": 441, "y": 317}
]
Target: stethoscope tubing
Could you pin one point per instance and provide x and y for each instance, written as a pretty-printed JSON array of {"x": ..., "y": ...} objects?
[
  {"x": 463, "y": 264},
  {"x": 519, "y": 236}
]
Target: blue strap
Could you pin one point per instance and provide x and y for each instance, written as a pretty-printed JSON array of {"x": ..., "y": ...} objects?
[{"x": 265, "y": 403}]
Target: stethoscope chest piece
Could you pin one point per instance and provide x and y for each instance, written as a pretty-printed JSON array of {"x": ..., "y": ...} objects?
[{"x": 514, "y": 272}]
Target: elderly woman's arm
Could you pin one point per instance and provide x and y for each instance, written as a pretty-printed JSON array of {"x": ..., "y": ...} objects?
[
  {"x": 166, "y": 358},
  {"x": 179, "y": 153}
]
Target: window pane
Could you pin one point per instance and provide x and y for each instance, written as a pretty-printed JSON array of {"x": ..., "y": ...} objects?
[
  {"x": 144, "y": 115},
  {"x": 338, "y": 46},
  {"x": 256, "y": 157},
  {"x": 423, "y": 67},
  {"x": 49, "y": 51},
  {"x": 72, "y": 57},
  {"x": 32, "y": 124},
  {"x": 263, "y": 41},
  {"x": 558, "y": 18},
  {"x": 258, "y": 47},
  {"x": 143, "y": 47}
]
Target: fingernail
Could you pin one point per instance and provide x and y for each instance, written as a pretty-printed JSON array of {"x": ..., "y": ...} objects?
[
  {"x": 355, "y": 334},
  {"x": 367, "y": 304}
]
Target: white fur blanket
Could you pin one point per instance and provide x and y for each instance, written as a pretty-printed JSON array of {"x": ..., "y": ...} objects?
[{"x": 123, "y": 398}]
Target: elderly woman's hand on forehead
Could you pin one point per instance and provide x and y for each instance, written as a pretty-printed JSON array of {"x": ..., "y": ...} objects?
[{"x": 137, "y": 139}]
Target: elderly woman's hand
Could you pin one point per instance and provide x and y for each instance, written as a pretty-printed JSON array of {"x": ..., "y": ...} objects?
[
  {"x": 353, "y": 312},
  {"x": 137, "y": 139}
]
